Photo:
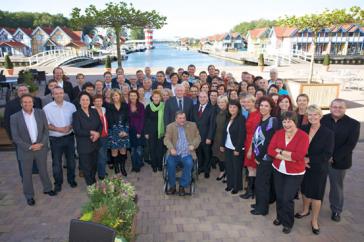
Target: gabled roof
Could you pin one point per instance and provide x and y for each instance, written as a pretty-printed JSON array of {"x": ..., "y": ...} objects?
[
  {"x": 74, "y": 35},
  {"x": 282, "y": 32},
  {"x": 13, "y": 44},
  {"x": 344, "y": 27},
  {"x": 27, "y": 31},
  {"x": 76, "y": 43},
  {"x": 46, "y": 30},
  {"x": 256, "y": 33},
  {"x": 11, "y": 31}
]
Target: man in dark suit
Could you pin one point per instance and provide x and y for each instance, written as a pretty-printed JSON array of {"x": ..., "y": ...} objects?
[
  {"x": 346, "y": 132},
  {"x": 59, "y": 76},
  {"x": 108, "y": 80},
  {"x": 14, "y": 106},
  {"x": 119, "y": 71},
  {"x": 177, "y": 103},
  {"x": 29, "y": 128},
  {"x": 120, "y": 81},
  {"x": 78, "y": 88},
  {"x": 204, "y": 116},
  {"x": 161, "y": 80}
]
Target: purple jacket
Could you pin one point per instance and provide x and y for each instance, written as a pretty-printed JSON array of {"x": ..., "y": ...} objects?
[{"x": 136, "y": 119}]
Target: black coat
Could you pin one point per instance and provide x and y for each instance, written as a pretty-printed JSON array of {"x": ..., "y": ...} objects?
[
  {"x": 165, "y": 85},
  {"x": 150, "y": 122},
  {"x": 82, "y": 125},
  {"x": 321, "y": 149},
  {"x": 171, "y": 107},
  {"x": 67, "y": 87},
  {"x": 237, "y": 132},
  {"x": 113, "y": 115},
  {"x": 206, "y": 122},
  {"x": 13, "y": 107},
  {"x": 346, "y": 132}
]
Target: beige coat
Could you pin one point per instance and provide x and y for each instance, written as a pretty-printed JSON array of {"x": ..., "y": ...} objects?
[{"x": 192, "y": 135}]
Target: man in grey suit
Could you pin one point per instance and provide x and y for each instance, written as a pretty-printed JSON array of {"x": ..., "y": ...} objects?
[
  {"x": 29, "y": 129},
  {"x": 177, "y": 103}
]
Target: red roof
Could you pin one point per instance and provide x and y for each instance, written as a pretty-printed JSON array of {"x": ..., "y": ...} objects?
[
  {"x": 10, "y": 30},
  {"x": 48, "y": 30},
  {"x": 27, "y": 31},
  {"x": 74, "y": 35},
  {"x": 282, "y": 32},
  {"x": 256, "y": 33},
  {"x": 346, "y": 27},
  {"x": 216, "y": 37},
  {"x": 13, "y": 44},
  {"x": 77, "y": 43}
]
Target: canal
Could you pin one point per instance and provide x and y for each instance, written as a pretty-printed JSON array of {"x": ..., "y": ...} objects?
[{"x": 163, "y": 55}]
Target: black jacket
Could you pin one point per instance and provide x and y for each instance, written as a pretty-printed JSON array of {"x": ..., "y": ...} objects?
[
  {"x": 206, "y": 122},
  {"x": 321, "y": 149},
  {"x": 237, "y": 133},
  {"x": 171, "y": 107},
  {"x": 113, "y": 115},
  {"x": 14, "y": 106},
  {"x": 82, "y": 125},
  {"x": 346, "y": 132}
]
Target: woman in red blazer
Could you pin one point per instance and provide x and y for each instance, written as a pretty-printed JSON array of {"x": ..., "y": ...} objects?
[{"x": 288, "y": 149}]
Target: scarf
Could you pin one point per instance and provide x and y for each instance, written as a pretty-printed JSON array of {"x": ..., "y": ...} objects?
[{"x": 160, "y": 109}]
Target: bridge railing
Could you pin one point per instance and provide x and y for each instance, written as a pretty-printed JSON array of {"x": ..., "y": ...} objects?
[{"x": 57, "y": 55}]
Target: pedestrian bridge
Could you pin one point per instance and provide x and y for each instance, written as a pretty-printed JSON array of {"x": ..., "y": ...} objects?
[{"x": 60, "y": 57}]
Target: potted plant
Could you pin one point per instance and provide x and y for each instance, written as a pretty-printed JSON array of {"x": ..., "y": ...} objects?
[
  {"x": 112, "y": 202},
  {"x": 261, "y": 62},
  {"x": 108, "y": 63},
  {"x": 26, "y": 77},
  {"x": 326, "y": 62},
  {"x": 9, "y": 67}
]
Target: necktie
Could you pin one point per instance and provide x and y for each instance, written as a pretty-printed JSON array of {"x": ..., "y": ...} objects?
[
  {"x": 180, "y": 105},
  {"x": 200, "y": 112}
]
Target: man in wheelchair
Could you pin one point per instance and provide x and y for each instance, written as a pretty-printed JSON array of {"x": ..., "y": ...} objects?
[{"x": 181, "y": 139}]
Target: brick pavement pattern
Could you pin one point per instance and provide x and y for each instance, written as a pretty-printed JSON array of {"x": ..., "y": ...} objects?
[{"x": 209, "y": 215}]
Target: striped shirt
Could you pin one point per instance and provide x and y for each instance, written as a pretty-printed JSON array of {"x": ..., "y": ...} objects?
[{"x": 182, "y": 143}]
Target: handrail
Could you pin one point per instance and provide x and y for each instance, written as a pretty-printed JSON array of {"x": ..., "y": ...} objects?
[{"x": 58, "y": 54}]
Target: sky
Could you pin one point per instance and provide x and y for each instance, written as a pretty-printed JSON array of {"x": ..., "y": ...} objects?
[{"x": 194, "y": 18}]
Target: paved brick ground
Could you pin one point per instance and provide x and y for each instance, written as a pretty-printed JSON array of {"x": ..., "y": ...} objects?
[{"x": 209, "y": 215}]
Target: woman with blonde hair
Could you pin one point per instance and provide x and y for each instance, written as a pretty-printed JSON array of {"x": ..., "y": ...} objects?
[{"x": 117, "y": 116}]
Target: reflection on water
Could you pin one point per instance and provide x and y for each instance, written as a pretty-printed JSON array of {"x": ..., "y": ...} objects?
[{"x": 164, "y": 55}]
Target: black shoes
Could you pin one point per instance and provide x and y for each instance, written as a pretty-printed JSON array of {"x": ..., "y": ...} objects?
[
  {"x": 250, "y": 192},
  {"x": 335, "y": 217},
  {"x": 315, "y": 231},
  {"x": 286, "y": 230},
  {"x": 171, "y": 191},
  {"x": 234, "y": 192},
  {"x": 256, "y": 212},
  {"x": 299, "y": 216},
  {"x": 155, "y": 169},
  {"x": 30, "y": 202},
  {"x": 74, "y": 183},
  {"x": 51, "y": 193},
  {"x": 253, "y": 205},
  {"x": 276, "y": 222},
  {"x": 207, "y": 175},
  {"x": 219, "y": 178},
  {"x": 228, "y": 189},
  {"x": 181, "y": 191},
  {"x": 58, "y": 188}
]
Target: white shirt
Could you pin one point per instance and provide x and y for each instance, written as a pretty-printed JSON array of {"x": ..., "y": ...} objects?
[
  {"x": 31, "y": 124},
  {"x": 203, "y": 107},
  {"x": 108, "y": 85},
  {"x": 228, "y": 143},
  {"x": 173, "y": 88},
  {"x": 60, "y": 83},
  {"x": 282, "y": 168},
  {"x": 59, "y": 116}
]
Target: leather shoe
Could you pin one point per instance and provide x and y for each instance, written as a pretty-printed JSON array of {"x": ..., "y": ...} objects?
[
  {"x": 58, "y": 188},
  {"x": 276, "y": 222},
  {"x": 335, "y": 217},
  {"x": 171, "y": 191},
  {"x": 207, "y": 175},
  {"x": 154, "y": 169},
  {"x": 181, "y": 191},
  {"x": 234, "y": 192},
  {"x": 286, "y": 230},
  {"x": 228, "y": 189},
  {"x": 315, "y": 231},
  {"x": 74, "y": 184},
  {"x": 299, "y": 216},
  {"x": 30, "y": 202},
  {"x": 253, "y": 205},
  {"x": 51, "y": 193},
  {"x": 256, "y": 212}
]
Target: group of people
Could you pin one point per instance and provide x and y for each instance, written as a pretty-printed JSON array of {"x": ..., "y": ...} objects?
[{"x": 246, "y": 127}]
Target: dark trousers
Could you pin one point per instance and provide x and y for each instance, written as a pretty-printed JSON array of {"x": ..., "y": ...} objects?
[
  {"x": 286, "y": 187},
  {"x": 234, "y": 166},
  {"x": 263, "y": 186},
  {"x": 204, "y": 157},
  {"x": 156, "y": 151},
  {"x": 88, "y": 165},
  {"x": 336, "y": 195},
  {"x": 59, "y": 146}
]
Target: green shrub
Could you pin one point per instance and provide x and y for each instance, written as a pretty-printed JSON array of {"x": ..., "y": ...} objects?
[
  {"x": 8, "y": 63},
  {"x": 112, "y": 203},
  {"x": 26, "y": 77},
  {"x": 326, "y": 61},
  {"x": 261, "y": 60},
  {"x": 108, "y": 62}
]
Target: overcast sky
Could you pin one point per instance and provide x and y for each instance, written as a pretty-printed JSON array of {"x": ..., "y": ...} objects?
[{"x": 194, "y": 18}]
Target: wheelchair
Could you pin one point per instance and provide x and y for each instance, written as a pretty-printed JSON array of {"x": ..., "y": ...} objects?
[{"x": 179, "y": 169}]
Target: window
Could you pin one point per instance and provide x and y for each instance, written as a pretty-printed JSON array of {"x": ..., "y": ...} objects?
[
  {"x": 59, "y": 37},
  {"x": 39, "y": 37}
]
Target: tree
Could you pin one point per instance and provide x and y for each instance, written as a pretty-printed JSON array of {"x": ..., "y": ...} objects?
[
  {"x": 137, "y": 34},
  {"x": 244, "y": 27},
  {"x": 315, "y": 23},
  {"x": 117, "y": 16}
]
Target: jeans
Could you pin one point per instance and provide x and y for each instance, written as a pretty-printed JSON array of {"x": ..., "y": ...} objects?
[
  {"x": 137, "y": 157},
  {"x": 172, "y": 162},
  {"x": 102, "y": 158},
  {"x": 59, "y": 146}
]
